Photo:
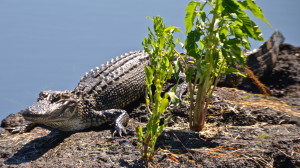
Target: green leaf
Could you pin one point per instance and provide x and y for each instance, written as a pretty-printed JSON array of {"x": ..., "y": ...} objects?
[
  {"x": 237, "y": 31},
  {"x": 139, "y": 133},
  {"x": 235, "y": 71},
  {"x": 224, "y": 53},
  {"x": 203, "y": 16},
  {"x": 191, "y": 43},
  {"x": 148, "y": 17},
  {"x": 189, "y": 74},
  {"x": 160, "y": 129},
  {"x": 216, "y": 58},
  {"x": 164, "y": 105},
  {"x": 190, "y": 15},
  {"x": 237, "y": 52},
  {"x": 256, "y": 10},
  {"x": 177, "y": 68},
  {"x": 231, "y": 6},
  {"x": 172, "y": 29},
  {"x": 220, "y": 6},
  {"x": 251, "y": 28},
  {"x": 158, "y": 25},
  {"x": 169, "y": 72},
  {"x": 223, "y": 35},
  {"x": 149, "y": 75},
  {"x": 258, "y": 33}
]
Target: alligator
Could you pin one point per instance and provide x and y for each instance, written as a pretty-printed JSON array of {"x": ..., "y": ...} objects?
[
  {"x": 102, "y": 94},
  {"x": 97, "y": 100}
]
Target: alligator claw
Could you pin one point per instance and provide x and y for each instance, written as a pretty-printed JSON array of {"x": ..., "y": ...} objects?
[
  {"x": 120, "y": 122},
  {"x": 119, "y": 128}
]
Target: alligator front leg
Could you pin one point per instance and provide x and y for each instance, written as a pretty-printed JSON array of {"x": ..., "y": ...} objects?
[{"x": 118, "y": 116}]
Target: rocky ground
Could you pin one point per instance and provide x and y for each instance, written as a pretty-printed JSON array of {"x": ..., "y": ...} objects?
[{"x": 243, "y": 130}]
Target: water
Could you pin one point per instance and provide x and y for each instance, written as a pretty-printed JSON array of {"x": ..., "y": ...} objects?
[{"x": 50, "y": 44}]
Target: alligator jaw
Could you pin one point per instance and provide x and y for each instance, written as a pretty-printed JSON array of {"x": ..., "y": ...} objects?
[{"x": 52, "y": 106}]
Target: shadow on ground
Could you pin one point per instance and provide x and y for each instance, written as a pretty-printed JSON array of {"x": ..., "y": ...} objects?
[{"x": 37, "y": 148}]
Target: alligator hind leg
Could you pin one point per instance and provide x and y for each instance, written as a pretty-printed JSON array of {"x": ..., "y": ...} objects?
[{"x": 118, "y": 116}]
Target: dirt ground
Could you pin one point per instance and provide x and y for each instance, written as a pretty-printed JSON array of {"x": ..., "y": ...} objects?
[{"x": 243, "y": 130}]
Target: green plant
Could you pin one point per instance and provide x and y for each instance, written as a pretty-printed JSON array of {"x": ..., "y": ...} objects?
[
  {"x": 160, "y": 46},
  {"x": 216, "y": 40}
]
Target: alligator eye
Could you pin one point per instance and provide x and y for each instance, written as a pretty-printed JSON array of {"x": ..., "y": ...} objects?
[{"x": 54, "y": 99}]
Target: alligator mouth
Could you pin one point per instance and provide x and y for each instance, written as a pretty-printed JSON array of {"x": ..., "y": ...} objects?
[
  {"x": 45, "y": 111},
  {"x": 35, "y": 116}
]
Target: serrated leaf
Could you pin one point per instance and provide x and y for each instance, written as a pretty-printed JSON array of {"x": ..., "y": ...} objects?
[
  {"x": 190, "y": 15},
  {"x": 256, "y": 10},
  {"x": 251, "y": 28},
  {"x": 191, "y": 43}
]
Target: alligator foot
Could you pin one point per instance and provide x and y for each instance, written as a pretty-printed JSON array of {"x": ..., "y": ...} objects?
[
  {"x": 120, "y": 122},
  {"x": 119, "y": 117}
]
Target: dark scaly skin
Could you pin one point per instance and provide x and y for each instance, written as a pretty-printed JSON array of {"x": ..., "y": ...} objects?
[
  {"x": 263, "y": 60},
  {"x": 98, "y": 99}
]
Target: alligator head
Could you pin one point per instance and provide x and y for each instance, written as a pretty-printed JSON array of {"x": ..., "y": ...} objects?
[{"x": 54, "y": 108}]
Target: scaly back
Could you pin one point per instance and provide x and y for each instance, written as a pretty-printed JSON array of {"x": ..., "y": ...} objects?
[{"x": 116, "y": 84}]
